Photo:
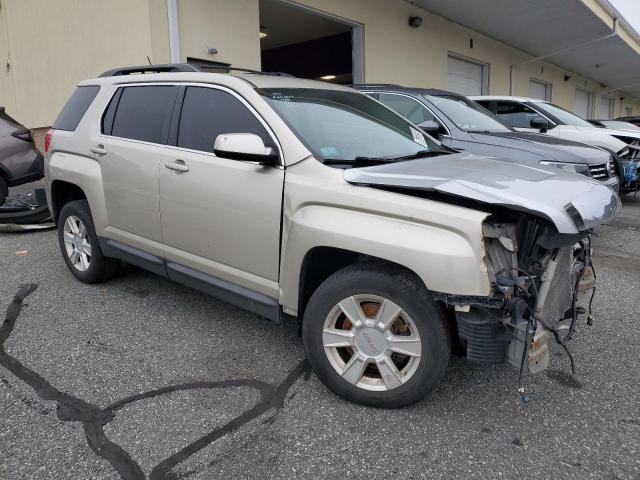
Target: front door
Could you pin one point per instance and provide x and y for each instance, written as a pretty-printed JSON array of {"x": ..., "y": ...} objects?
[{"x": 220, "y": 217}]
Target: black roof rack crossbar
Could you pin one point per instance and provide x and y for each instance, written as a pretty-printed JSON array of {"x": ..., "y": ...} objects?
[
  {"x": 181, "y": 67},
  {"x": 169, "y": 67}
]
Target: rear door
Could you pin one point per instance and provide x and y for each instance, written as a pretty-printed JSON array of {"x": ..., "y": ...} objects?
[
  {"x": 220, "y": 217},
  {"x": 135, "y": 130}
]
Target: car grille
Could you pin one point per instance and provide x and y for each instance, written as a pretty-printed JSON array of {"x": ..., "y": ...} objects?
[{"x": 599, "y": 172}]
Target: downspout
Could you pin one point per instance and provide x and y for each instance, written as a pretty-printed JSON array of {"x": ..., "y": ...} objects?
[
  {"x": 174, "y": 32},
  {"x": 614, "y": 32}
]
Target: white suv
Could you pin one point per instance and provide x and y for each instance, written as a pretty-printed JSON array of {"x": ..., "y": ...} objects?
[
  {"x": 530, "y": 114},
  {"x": 311, "y": 200}
]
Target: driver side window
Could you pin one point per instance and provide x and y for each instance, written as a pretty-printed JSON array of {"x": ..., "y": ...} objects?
[
  {"x": 409, "y": 108},
  {"x": 515, "y": 114},
  {"x": 208, "y": 112}
]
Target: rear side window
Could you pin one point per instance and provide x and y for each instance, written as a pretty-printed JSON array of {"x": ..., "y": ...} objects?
[
  {"x": 207, "y": 113},
  {"x": 141, "y": 113},
  {"x": 76, "y": 107}
]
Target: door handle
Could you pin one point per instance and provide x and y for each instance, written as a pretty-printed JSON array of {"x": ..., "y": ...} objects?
[
  {"x": 99, "y": 150},
  {"x": 177, "y": 166}
]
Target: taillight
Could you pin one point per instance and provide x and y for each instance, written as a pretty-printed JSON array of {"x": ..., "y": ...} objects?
[
  {"x": 47, "y": 140},
  {"x": 23, "y": 134}
]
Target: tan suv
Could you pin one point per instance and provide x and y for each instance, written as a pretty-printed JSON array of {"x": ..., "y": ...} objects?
[{"x": 312, "y": 200}]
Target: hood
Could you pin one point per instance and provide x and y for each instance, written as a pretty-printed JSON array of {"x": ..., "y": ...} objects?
[
  {"x": 572, "y": 202},
  {"x": 548, "y": 148},
  {"x": 610, "y": 138},
  {"x": 609, "y": 131}
]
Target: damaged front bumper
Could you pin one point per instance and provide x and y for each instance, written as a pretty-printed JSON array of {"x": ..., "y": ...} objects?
[{"x": 542, "y": 283}]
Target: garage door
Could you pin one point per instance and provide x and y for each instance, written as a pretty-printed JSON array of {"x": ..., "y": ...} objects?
[
  {"x": 606, "y": 108},
  {"x": 539, "y": 90},
  {"x": 583, "y": 103},
  {"x": 466, "y": 78}
]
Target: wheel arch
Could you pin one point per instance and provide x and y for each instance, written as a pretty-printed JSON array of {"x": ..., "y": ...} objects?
[
  {"x": 63, "y": 192},
  {"x": 321, "y": 262}
]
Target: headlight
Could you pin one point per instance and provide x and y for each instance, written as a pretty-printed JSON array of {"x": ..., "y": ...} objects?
[{"x": 580, "y": 168}]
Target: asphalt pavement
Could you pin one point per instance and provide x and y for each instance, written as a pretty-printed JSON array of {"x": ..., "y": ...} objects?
[{"x": 142, "y": 378}]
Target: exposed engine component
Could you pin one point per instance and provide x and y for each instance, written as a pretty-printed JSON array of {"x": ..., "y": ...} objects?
[
  {"x": 630, "y": 157},
  {"x": 538, "y": 278}
]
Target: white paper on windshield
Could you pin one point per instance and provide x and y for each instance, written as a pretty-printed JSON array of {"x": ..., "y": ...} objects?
[{"x": 418, "y": 137}]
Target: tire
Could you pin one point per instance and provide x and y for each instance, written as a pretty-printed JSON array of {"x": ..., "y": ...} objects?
[
  {"x": 98, "y": 268},
  {"x": 365, "y": 286},
  {"x": 4, "y": 190}
]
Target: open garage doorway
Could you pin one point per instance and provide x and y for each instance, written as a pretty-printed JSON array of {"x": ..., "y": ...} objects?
[{"x": 307, "y": 43}]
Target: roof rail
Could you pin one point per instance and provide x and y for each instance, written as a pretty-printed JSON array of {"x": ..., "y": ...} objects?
[
  {"x": 244, "y": 70},
  {"x": 353, "y": 85},
  {"x": 169, "y": 67},
  {"x": 181, "y": 67}
]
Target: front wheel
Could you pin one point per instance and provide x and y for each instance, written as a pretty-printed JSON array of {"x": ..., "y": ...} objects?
[{"x": 375, "y": 336}]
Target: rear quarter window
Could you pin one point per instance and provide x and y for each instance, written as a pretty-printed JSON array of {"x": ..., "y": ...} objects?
[{"x": 76, "y": 107}]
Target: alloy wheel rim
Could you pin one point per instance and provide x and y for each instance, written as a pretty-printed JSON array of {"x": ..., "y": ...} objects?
[
  {"x": 371, "y": 342},
  {"x": 76, "y": 243}
]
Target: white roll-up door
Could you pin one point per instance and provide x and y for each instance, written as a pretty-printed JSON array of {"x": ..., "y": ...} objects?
[
  {"x": 607, "y": 106},
  {"x": 539, "y": 90},
  {"x": 466, "y": 78},
  {"x": 583, "y": 100}
]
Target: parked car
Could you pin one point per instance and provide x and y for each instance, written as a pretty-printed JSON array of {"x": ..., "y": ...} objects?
[
  {"x": 615, "y": 124},
  {"x": 462, "y": 124},
  {"x": 529, "y": 114},
  {"x": 20, "y": 160},
  {"x": 312, "y": 200},
  {"x": 635, "y": 120}
]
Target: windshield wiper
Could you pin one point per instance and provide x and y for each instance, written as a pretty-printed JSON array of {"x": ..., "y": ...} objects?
[
  {"x": 358, "y": 161},
  {"x": 361, "y": 160},
  {"x": 422, "y": 154}
]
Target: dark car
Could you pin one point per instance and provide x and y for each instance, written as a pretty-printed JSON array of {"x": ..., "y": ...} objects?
[
  {"x": 462, "y": 124},
  {"x": 635, "y": 120},
  {"x": 615, "y": 124},
  {"x": 20, "y": 161}
]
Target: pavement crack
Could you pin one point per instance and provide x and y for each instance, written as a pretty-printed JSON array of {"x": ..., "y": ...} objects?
[{"x": 94, "y": 419}]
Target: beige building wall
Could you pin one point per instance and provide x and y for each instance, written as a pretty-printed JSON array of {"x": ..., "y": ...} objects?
[
  {"x": 232, "y": 27},
  {"x": 46, "y": 47},
  {"x": 55, "y": 44},
  {"x": 394, "y": 52}
]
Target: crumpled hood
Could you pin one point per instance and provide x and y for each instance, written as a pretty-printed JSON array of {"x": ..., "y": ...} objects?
[
  {"x": 549, "y": 148},
  {"x": 572, "y": 202}
]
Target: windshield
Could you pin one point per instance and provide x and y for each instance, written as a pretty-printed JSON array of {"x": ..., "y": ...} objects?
[
  {"x": 466, "y": 114},
  {"x": 343, "y": 125},
  {"x": 561, "y": 114}
]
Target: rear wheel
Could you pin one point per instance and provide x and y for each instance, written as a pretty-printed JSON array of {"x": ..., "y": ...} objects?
[
  {"x": 375, "y": 336},
  {"x": 4, "y": 190},
  {"x": 79, "y": 244}
]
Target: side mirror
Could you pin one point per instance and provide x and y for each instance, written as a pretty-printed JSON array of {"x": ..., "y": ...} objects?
[
  {"x": 430, "y": 127},
  {"x": 244, "y": 146},
  {"x": 540, "y": 123}
]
